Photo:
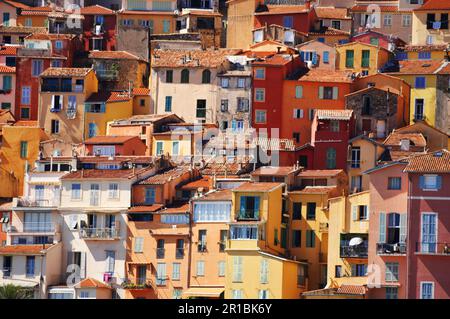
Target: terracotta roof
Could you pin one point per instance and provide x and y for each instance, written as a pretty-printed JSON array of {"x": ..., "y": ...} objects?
[
  {"x": 334, "y": 114},
  {"x": 141, "y": 91},
  {"x": 332, "y": 13},
  {"x": 16, "y": 4},
  {"x": 396, "y": 155},
  {"x": 204, "y": 182},
  {"x": 416, "y": 138},
  {"x": 164, "y": 177},
  {"x": 145, "y": 12},
  {"x": 363, "y": 8},
  {"x": 225, "y": 168},
  {"x": 329, "y": 31},
  {"x": 50, "y": 36},
  {"x": 195, "y": 58},
  {"x": 320, "y": 173},
  {"x": 8, "y": 50},
  {"x": 109, "y": 97},
  {"x": 103, "y": 173},
  {"x": 176, "y": 208},
  {"x": 66, "y": 72},
  {"x": 431, "y": 5},
  {"x": 318, "y": 75},
  {"x": 113, "y": 55},
  {"x": 351, "y": 290},
  {"x": 96, "y": 9},
  {"x": 274, "y": 171},
  {"x": 420, "y": 67},
  {"x": 7, "y": 69},
  {"x": 215, "y": 195},
  {"x": 91, "y": 283},
  {"x": 145, "y": 209},
  {"x": 24, "y": 249},
  {"x": 26, "y": 123},
  {"x": 22, "y": 30},
  {"x": 445, "y": 69},
  {"x": 256, "y": 187},
  {"x": 143, "y": 119},
  {"x": 275, "y": 144},
  {"x": 275, "y": 59},
  {"x": 435, "y": 162},
  {"x": 421, "y": 48},
  {"x": 37, "y": 11},
  {"x": 316, "y": 190},
  {"x": 108, "y": 139},
  {"x": 283, "y": 9}
]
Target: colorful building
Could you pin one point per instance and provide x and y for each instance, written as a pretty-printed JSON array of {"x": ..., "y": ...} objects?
[
  {"x": 114, "y": 145},
  {"x": 430, "y": 23},
  {"x": 7, "y": 88},
  {"x": 318, "y": 54},
  {"x": 99, "y": 28}
]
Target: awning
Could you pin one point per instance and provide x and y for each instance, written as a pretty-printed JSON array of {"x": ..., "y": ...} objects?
[{"x": 211, "y": 292}]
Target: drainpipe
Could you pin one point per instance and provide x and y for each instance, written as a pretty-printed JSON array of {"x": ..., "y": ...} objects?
[{"x": 408, "y": 250}]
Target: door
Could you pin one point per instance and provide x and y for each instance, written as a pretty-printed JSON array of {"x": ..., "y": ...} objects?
[
  {"x": 39, "y": 194},
  {"x": 95, "y": 194},
  {"x": 429, "y": 233},
  {"x": 7, "y": 265},
  {"x": 419, "y": 109}
]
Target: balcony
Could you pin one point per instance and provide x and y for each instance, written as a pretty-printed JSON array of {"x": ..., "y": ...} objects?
[
  {"x": 38, "y": 227},
  {"x": 28, "y": 202},
  {"x": 160, "y": 253},
  {"x": 391, "y": 249},
  {"x": 355, "y": 164},
  {"x": 201, "y": 248},
  {"x": 439, "y": 249},
  {"x": 137, "y": 283},
  {"x": 6, "y": 272},
  {"x": 99, "y": 233},
  {"x": 359, "y": 251},
  {"x": 248, "y": 214},
  {"x": 107, "y": 75}
]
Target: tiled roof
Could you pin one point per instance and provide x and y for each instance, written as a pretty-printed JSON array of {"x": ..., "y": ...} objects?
[
  {"x": 431, "y": 5},
  {"x": 435, "y": 162},
  {"x": 141, "y": 91},
  {"x": 105, "y": 96},
  {"x": 351, "y": 290},
  {"x": 334, "y": 114},
  {"x": 320, "y": 173},
  {"x": 145, "y": 209},
  {"x": 216, "y": 195},
  {"x": 26, "y": 123},
  {"x": 24, "y": 249},
  {"x": 176, "y": 208},
  {"x": 395, "y": 138},
  {"x": 225, "y": 168},
  {"x": 363, "y": 8},
  {"x": 16, "y": 4},
  {"x": 274, "y": 170},
  {"x": 50, "y": 36},
  {"x": 328, "y": 31},
  {"x": 275, "y": 144},
  {"x": 8, "y": 50},
  {"x": 275, "y": 59},
  {"x": 164, "y": 177},
  {"x": 445, "y": 69},
  {"x": 66, "y": 72},
  {"x": 256, "y": 187},
  {"x": 332, "y": 13},
  {"x": 191, "y": 58},
  {"x": 421, "y": 48},
  {"x": 396, "y": 155},
  {"x": 91, "y": 283},
  {"x": 96, "y": 9},
  {"x": 316, "y": 190},
  {"x": 283, "y": 9},
  {"x": 204, "y": 182},
  {"x": 318, "y": 75},
  {"x": 419, "y": 67},
  {"x": 37, "y": 11},
  {"x": 103, "y": 173},
  {"x": 7, "y": 69},
  {"x": 202, "y": 13},
  {"x": 143, "y": 12},
  {"x": 22, "y": 30},
  {"x": 143, "y": 119},
  {"x": 113, "y": 55},
  {"x": 108, "y": 139}
]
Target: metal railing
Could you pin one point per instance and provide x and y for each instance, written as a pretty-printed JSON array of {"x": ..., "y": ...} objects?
[
  {"x": 160, "y": 253},
  {"x": 433, "y": 248},
  {"x": 248, "y": 215},
  {"x": 99, "y": 233},
  {"x": 6, "y": 272},
  {"x": 27, "y": 202},
  {"x": 354, "y": 251},
  {"x": 137, "y": 283},
  {"x": 201, "y": 248},
  {"x": 355, "y": 164},
  {"x": 38, "y": 227},
  {"x": 387, "y": 249}
]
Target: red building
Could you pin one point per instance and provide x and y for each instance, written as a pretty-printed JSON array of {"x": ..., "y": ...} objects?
[
  {"x": 377, "y": 38},
  {"x": 40, "y": 52},
  {"x": 428, "y": 233},
  {"x": 297, "y": 17},
  {"x": 330, "y": 132},
  {"x": 99, "y": 28},
  {"x": 115, "y": 146}
]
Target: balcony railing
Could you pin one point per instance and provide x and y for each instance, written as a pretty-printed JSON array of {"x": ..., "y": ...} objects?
[
  {"x": 38, "y": 227},
  {"x": 248, "y": 214},
  {"x": 137, "y": 283},
  {"x": 433, "y": 248},
  {"x": 323, "y": 227},
  {"x": 355, "y": 164},
  {"x": 160, "y": 253},
  {"x": 27, "y": 202},
  {"x": 201, "y": 248},
  {"x": 391, "y": 249},
  {"x": 354, "y": 251},
  {"x": 179, "y": 254},
  {"x": 6, "y": 272},
  {"x": 99, "y": 233}
]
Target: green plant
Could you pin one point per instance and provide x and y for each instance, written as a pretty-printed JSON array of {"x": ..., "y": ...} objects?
[{"x": 11, "y": 291}]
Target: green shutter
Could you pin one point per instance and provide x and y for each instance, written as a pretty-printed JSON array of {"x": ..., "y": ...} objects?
[
  {"x": 365, "y": 59},
  {"x": 349, "y": 55}
]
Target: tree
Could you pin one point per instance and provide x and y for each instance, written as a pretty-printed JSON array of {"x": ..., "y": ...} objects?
[{"x": 11, "y": 291}]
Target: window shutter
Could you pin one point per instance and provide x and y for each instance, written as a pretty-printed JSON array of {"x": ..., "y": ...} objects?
[
  {"x": 382, "y": 228},
  {"x": 53, "y": 101},
  {"x": 326, "y": 56},
  {"x": 314, "y": 58},
  {"x": 363, "y": 19},
  {"x": 295, "y": 113},
  {"x": 353, "y": 270},
  {"x": 298, "y": 91},
  {"x": 403, "y": 228},
  {"x": 438, "y": 182},
  {"x": 335, "y": 93},
  {"x": 61, "y": 99},
  {"x": 301, "y": 113},
  {"x": 422, "y": 181},
  {"x": 83, "y": 265},
  {"x": 257, "y": 206},
  {"x": 103, "y": 108},
  {"x": 302, "y": 56},
  {"x": 367, "y": 210},
  {"x": 320, "y": 92},
  {"x": 355, "y": 212}
]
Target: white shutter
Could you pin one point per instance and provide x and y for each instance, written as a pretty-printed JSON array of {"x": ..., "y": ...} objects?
[
  {"x": 367, "y": 211},
  {"x": 354, "y": 212},
  {"x": 53, "y": 101},
  {"x": 335, "y": 93},
  {"x": 403, "y": 228},
  {"x": 321, "y": 92},
  {"x": 382, "y": 228},
  {"x": 83, "y": 265}
]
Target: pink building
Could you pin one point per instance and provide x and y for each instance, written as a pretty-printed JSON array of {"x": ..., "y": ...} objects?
[
  {"x": 115, "y": 145},
  {"x": 7, "y": 87}
]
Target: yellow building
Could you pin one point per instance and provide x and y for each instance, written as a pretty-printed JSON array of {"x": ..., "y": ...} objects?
[
  {"x": 364, "y": 58},
  {"x": 104, "y": 107},
  {"x": 158, "y": 22},
  {"x": 348, "y": 240},
  {"x": 18, "y": 152},
  {"x": 430, "y": 23},
  {"x": 142, "y": 102},
  {"x": 240, "y": 23},
  {"x": 256, "y": 262},
  {"x": 62, "y": 94},
  {"x": 430, "y": 52}
]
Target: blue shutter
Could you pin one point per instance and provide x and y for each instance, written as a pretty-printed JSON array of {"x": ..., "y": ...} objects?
[
  {"x": 326, "y": 57},
  {"x": 103, "y": 108},
  {"x": 302, "y": 56},
  {"x": 242, "y": 204},
  {"x": 314, "y": 58},
  {"x": 439, "y": 182},
  {"x": 422, "y": 182},
  {"x": 257, "y": 206},
  {"x": 382, "y": 228}
]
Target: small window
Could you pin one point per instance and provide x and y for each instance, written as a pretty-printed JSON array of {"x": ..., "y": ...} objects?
[
  {"x": 420, "y": 82},
  {"x": 334, "y": 126},
  {"x": 23, "y": 149},
  {"x": 394, "y": 183},
  {"x": 55, "y": 126},
  {"x": 169, "y": 76},
  {"x": 311, "y": 211},
  {"x": 225, "y": 82},
  {"x": 206, "y": 76},
  {"x": 168, "y": 104},
  {"x": 260, "y": 116},
  {"x": 185, "y": 76},
  {"x": 297, "y": 211},
  {"x": 260, "y": 74},
  {"x": 259, "y": 95}
]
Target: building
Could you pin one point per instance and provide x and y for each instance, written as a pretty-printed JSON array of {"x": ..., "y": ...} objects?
[
  {"x": 7, "y": 88},
  {"x": 330, "y": 16},
  {"x": 142, "y": 102},
  {"x": 240, "y": 23},
  {"x": 114, "y": 145},
  {"x": 430, "y": 23},
  {"x": 278, "y": 33},
  {"x": 99, "y": 28},
  {"x": 16, "y": 35},
  {"x": 8, "y": 55},
  {"x": 422, "y": 52},
  {"x": 62, "y": 96},
  {"x": 318, "y": 55},
  {"x": 435, "y": 138},
  {"x": 386, "y": 41},
  {"x": 9, "y": 11},
  {"x": 207, "y": 23}
]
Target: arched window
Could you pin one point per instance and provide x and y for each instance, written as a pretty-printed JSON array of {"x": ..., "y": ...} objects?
[
  {"x": 185, "y": 76},
  {"x": 206, "y": 76},
  {"x": 331, "y": 158}
]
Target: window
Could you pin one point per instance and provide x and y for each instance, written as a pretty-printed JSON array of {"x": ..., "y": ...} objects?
[
  {"x": 356, "y": 183},
  {"x": 26, "y": 95},
  {"x": 113, "y": 191},
  {"x": 76, "y": 191},
  {"x": 362, "y": 212},
  {"x": 260, "y": 116},
  {"x": 249, "y": 207},
  {"x": 206, "y": 76},
  {"x": 201, "y": 240},
  {"x": 139, "y": 244},
  {"x": 365, "y": 59},
  {"x": 331, "y": 158},
  {"x": 359, "y": 270},
  {"x": 394, "y": 183},
  {"x": 260, "y": 73},
  {"x": 419, "y": 109},
  {"x": 387, "y": 20},
  {"x": 349, "y": 57},
  {"x": 92, "y": 131},
  {"x": 84, "y": 294},
  {"x": 356, "y": 157},
  {"x": 237, "y": 294},
  {"x": 201, "y": 109},
  {"x": 311, "y": 211},
  {"x": 237, "y": 268},
  {"x": 336, "y": 24},
  {"x": 110, "y": 261},
  {"x": 149, "y": 195},
  {"x": 431, "y": 18},
  {"x": 393, "y": 228},
  {"x": 296, "y": 238},
  {"x": 298, "y": 92},
  {"x": 288, "y": 21},
  {"x": 221, "y": 266},
  {"x": 166, "y": 26},
  {"x": 94, "y": 194},
  {"x": 6, "y": 106},
  {"x": 54, "y": 126},
  {"x": 420, "y": 82},
  {"x": 141, "y": 102},
  {"x": 30, "y": 265},
  {"x": 298, "y": 113},
  {"x": 242, "y": 232},
  {"x": 37, "y": 67},
  {"x": 212, "y": 211},
  {"x": 168, "y": 104},
  {"x": 23, "y": 149},
  {"x": 334, "y": 126},
  {"x": 161, "y": 274},
  {"x": 7, "y": 83},
  {"x": 224, "y": 105},
  {"x": 424, "y": 55},
  {"x": 264, "y": 271},
  {"x": 296, "y": 137},
  {"x": 328, "y": 92},
  {"x": 58, "y": 45},
  {"x": 426, "y": 290},
  {"x": 310, "y": 239},
  {"x": 430, "y": 182},
  {"x": 175, "y": 148},
  {"x": 160, "y": 250},
  {"x": 6, "y": 19},
  {"x": 338, "y": 271},
  {"x": 326, "y": 57},
  {"x": 223, "y": 240},
  {"x": 225, "y": 82},
  {"x": 374, "y": 41},
  {"x": 174, "y": 219},
  {"x": 391, "y": 272},
  {"x": 406, "y": 20},
  {"x": 429, "y": 233},
  {"x": 159, "y": 148},
  {"x": 444, "y": 21},
  {"x": 185, "y": 76},
  {"x": 169, "y": 76},
  {"x": 297, "y": 211},
  {"x": 260, "y": 95},
  {"x": 241, "y": 83},
  {"x": 176, "y": 271},
  {"x": 391, "y": 293}
]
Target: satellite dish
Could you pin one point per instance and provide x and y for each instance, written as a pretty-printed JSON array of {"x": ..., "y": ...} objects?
[{"x": 355, "y": 241}]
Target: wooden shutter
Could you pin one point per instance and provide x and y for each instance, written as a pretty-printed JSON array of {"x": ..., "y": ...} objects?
[
  {"x": 403, "y": 228},
  {"x": 382, "y": 228}
]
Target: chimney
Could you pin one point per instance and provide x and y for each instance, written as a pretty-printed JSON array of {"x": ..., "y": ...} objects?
[{"x": 278, "y": 50}]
